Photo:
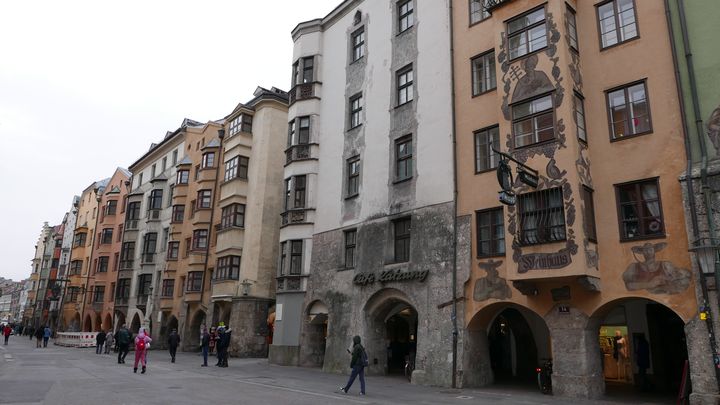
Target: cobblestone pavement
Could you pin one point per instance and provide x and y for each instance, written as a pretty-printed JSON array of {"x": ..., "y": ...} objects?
[{"x": 58, "y": 375}]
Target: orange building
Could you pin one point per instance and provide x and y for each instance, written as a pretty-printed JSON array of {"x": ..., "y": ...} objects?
[{"x": 590, "y": 267}]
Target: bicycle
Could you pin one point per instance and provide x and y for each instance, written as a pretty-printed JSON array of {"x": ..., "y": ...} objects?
[
  {"x": 544, "y": 373},
  {"x": 409, "y": 368}
]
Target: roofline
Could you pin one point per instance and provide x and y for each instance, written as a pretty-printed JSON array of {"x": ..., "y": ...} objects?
[
  {"x": 266, "y": 95},
  {"x": 319, "y": 24},
  {"x": 156, "y": 147}
]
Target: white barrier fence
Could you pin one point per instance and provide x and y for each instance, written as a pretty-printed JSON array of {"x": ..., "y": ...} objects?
[{"x": 76, "y": 339}]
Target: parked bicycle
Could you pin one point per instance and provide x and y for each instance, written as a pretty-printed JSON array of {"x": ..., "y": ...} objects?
[
  {"x": 409, "y": 365},
  {"x": 544, "y": 376}
]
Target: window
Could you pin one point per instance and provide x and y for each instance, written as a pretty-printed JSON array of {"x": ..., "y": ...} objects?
[
  {"x": 133, "y": 212},
  {"x": 168, "y": 288},
  {"x": 102, "y": 264},
  {"x": 200, "y": 239},
  {"x": 173, "y": 251},
  {"x": 483, "y": 73},
  {"x": 235, "y": 125},
  {"x": 99, "y": 294},
  {"x": 629, "y": 111},
  {"x": 296, "y": 253},
  {"x": 541, "y": 217},
  {"x": 106, "y": 237},
  {"x": 572, "y": 27},
  {"x": 308, "y": 69},
  {"x": 236, "y": 167},
  {"x": 140, "y": 179},
  {"x": 75, "y": 267},
  {"x": 296, "y": 73},
  {"x": 405, "y": 15},
  {"x": 164, "y": 163},
  {"x": 183, "y": 176},
  {"x": 174, "y": 157},
  {"x": 247, "y": 121},
  {"x": 533, "y": 121},
  {"x": 152, "y": 172},
  {"x": 299, "y": 188},
  {"x": 405, "y": 85},
  {"x": 144, "y": 283},
  {"x": 485, "y": 141},
  {"x": 111, "y": 207},
  {"x": 233, "y": 215},
  {"x": 208, "y": 160},
  {"x": 353, "y": 173},
  {"x": 580, "y": 117},
  {"x": 197, "y": 172},
  {"x": 490, "y": 232},
  {"x": 204, "y": 199},
  {"x": 188, "y": 245},
  {"x": 228, "y": 268},
  {"x": 589, "y": 213},
  {"x": 304, "y": 131},
  {"x": 116, "y": 261},
  {"x": 127, "y": 253},
  {"x": 243, "y": 164},
  {"x": 358, "y": 44},
  {"x": 403, "y": 158},
  {"x": 178, "y": 213},
  {"x": 123, "y": 288},
  {"x": 527, "y": 33},
  {"x": 478, "y": 11},
  {"x": 617, "y": 22},
  {"x": 150, "y": 243},
  {"x": 283, "y": 257},
  {"x": 291, "y": 133},
  {"x": 194, "y": 281},
  {"x": 155, "y": 201},
  {"x": 401, "y": 235},
  {"x": 74, "y": 293},
  {"x": 350, "y": 243},
  {"x": 80, "y": 239},
  {"x": 119, "y": 233},
  {"x": 639, "y": 210},
  {"x": 355, "y": 111}
]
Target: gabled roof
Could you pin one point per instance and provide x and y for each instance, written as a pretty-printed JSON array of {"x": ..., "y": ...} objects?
[
  {"x": 260, "y": 94},
  {"x": 187, "y": 122}
]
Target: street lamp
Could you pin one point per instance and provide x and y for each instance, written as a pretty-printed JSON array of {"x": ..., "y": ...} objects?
[{"x": 706, "y": 250}]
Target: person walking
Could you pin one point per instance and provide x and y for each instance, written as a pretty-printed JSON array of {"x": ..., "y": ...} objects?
[
  {"x": 47, "y": 332},
  {"x": 39, "y": 333},
  {"x": 6, "y": 332},
  {"x": 99, "y": 342},
  {"x": 205, "y": 345},
  {"x": 123, "y": 338},
  {"x": 142, "y": 343},
  {"x": 358, "y": 362},
  {"x": 173, "y": 343},
  {"x": 109, "y": 339}
]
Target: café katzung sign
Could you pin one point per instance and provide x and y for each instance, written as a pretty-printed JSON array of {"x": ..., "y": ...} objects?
[{"x": 387, "y": 276}]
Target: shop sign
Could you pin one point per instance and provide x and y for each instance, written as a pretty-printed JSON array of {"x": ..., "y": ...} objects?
[
  {"x": 534, "y": 261},
  {"x": 387, "y": 276}
]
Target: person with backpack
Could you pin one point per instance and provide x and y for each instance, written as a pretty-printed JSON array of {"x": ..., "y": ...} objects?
[
  {"x": 123, "y": 337},
  {"x": 173, "y": 343},
  {"x": 358, "y": 362},
  {"x": 142, "y": 343}
]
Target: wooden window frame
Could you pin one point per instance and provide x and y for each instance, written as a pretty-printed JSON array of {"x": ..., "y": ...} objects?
[
  {"x": 405, "y": 80},
  {"x": 350, "y": 243},
  {"x": 589, "y": 224},
  {"x": 477, "y": 88},
  {"x": 481, "y": 11},
  {"x": 625, "y": 88},
  {"x": 492, "y": 225},
  {"x": 355, "y": 107},
  {"x": 639, "y": 208},
  {"x": 524, "y": 31},
  {"x": 353, "y": 177},
  {"x": 617, "y": 24},
  {"x": 492, "y": 157},
  {"x": 406, "y": 17},
  {"x": 402, "y": 159},
  {"x": 533, "y": 116},
  {"x": 402, "y": 237},
  {"x": 358, "y": 44}
]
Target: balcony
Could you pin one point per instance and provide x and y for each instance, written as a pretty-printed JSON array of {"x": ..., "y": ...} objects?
[
  {"x": 490, "y": 5},
  {"x": 297, "y": 152},
  {"x": 301, "y": 92},
  {"x": 290, "y": 283}
]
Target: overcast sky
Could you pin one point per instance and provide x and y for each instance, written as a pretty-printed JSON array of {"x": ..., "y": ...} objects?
[{"x": 86, "y": 86}]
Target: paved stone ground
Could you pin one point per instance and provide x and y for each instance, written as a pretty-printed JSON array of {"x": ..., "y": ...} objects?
[{"x": 58, "y": 375}]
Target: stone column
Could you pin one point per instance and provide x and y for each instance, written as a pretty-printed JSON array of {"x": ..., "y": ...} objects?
[
  {"x": 577, "y": 369},
  {"x": 702, "y": 373},
  {"x": 248, "y": 321},
  {"x": 475, "y": 366}
]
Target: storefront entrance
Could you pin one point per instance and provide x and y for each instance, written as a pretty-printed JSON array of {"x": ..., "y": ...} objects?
[
  {"x": 513, "y": 351},
  {"x": 643, "y": 349},
  {"x": 401, "y": 335}
]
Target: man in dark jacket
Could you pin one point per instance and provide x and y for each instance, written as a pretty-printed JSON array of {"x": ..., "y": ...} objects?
[
  {"x": 123, "y": 338},
  {"x": 222, "y": 346},
  {"x": 99, "y": 342},
  {"x": 39, "y": 333},
  {"x": 205, "y": 345},
  {"x": 173, "y": 342},
  {"x": 357, "y": 363}
]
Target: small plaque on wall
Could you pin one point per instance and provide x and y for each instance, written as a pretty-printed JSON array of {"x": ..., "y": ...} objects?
[{"x": 563, "y": 309}]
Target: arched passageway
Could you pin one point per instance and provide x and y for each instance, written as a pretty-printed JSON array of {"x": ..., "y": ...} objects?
[
  {"x": 315, "y": 334},
  {"x": 643, "y": 348},
  {"x": 135, "y": 324},
  {"x": 504, "y": 344},
  {"x": 87, "y": 327},
  {"x": 192, "y": 331},
  {"x": 98, "y": 323}
]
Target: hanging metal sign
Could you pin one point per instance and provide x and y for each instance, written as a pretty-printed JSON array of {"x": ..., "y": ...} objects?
[{"x": 504, "y": 176}]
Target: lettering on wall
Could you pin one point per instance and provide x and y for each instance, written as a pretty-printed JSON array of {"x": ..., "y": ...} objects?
[
  {"x": 391, "y": 275},
  {"x": 544, "y": 261}
]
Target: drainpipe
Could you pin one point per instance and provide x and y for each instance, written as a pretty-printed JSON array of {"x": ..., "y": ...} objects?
[
  {"x": 455, "y": 202},
  {"x": 704, "y": 161}
]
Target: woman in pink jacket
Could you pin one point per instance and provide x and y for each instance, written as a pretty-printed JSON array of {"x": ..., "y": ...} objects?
[{"x": 142, "y": 343}]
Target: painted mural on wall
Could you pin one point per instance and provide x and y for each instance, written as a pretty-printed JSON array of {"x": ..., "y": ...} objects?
[
  {"x": 655, "y": 276},
  {"x": 492, "y": 285},
  {"x": 713, "y": 127}
]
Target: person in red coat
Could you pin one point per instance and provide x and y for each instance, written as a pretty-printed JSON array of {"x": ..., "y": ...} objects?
[{"x": 6, "y": 332}]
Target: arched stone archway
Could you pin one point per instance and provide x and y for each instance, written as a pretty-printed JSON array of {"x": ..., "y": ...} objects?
[
  {"x": 97, "y": 325},
  {"x": 313, "y": 350},
  {"x": 87, "y": 325},
  {"x": 192, "y": 331},
  {"x": 108, "y": 324},
  {"x": 391, "y": 323},
  {"x": 135, "y": 324},
  {"x": 73, "y": 324},
  {"x": 504, "y": 341},
  {"x": 119, "y": 319}
]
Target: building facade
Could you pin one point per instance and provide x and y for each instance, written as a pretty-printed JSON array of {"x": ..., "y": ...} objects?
[
  {"x": 68, "y": 235},
  {"x": 592, "y": 259},
  {"x": 147, "y": 231},
  {"x": 105, "y": 257},
  {"x": 366, "y": 248}
]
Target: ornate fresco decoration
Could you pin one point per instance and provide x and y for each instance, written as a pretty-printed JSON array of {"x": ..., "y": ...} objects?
[
  {"x": 530, "y": 82},
  {"x": 492, "y": 285},
  {"x": 562, "y": 258},
  {"x": 574, "y": 65},
  {"x": 713, "y": 127},
  {"x": 655, "y": 276}
]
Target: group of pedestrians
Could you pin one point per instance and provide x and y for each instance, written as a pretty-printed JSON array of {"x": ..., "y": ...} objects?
[
  {"x": 42, "y": 335},
  {"x": 219, "y": 339}
]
